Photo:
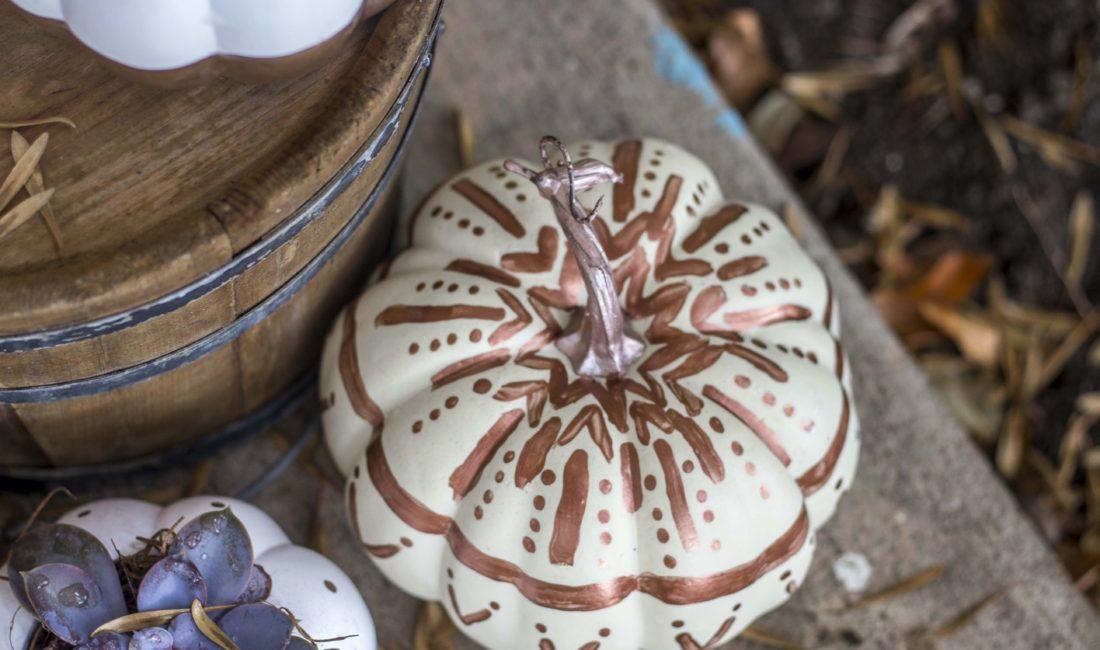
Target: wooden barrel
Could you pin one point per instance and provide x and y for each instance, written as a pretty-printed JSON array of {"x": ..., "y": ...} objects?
[{"x": 208, "y": 237}]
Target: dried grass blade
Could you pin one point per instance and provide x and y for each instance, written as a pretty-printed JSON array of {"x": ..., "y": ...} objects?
[
  {"x": 53, "y": 119},
  {"x": 15, "y": 217},
  {"x": 951, "y": 68},
  {"x": 1082, "y": 223},
  {"x": 141, "y": 620},
  {"x": 1075, "y": 441},
  {"x": 998, "y": 140},
  {"x": 434, "y": 630},
  {"x": 767, "y": 639},
  {"x": 466, "y": 138},
  {"x": 209, "y": 628},
  {"x": 23, "y": 170},
  {"x": 964, "y": 617},
  {"x": 1012, "y": 445},
  {"x": 1054, "y": 363},
  {"x": 36, "y": 184},
  {"x": 903, "y": 586},
  {"x": 1089, "y": 404},
  {"x": 1048, "y": 143}
]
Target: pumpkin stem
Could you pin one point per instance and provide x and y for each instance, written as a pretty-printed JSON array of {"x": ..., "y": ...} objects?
[{"x": 599, "y": 342}]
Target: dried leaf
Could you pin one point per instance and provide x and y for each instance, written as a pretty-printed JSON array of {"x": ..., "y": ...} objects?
[
  {"x": 1089, "y": 403},
  {"x": 1013, "y": 443},
  {"x": 936, "y": 216},
  {"x": 1053, "y": 147},
  {"x": 992, "y": 34},
  {"x": 56, "y": 119},
  {"x": 200, "y": 478},
  {"x": 434, "y": 631},
  {"x": 828, "y": 173},
  {"x": 768, "y": 639},
  {"x": 15, "y": 217},
  {"x": 773, "y": 119},
  {"x": 466, "y": 139},
  {"x": 36, "y": 184},
  {"x": 952, "y": 71},
  {"x": 740, "y": 58},
  {"x": 1077, "y": 437},
  {"x": 903, "y": 586},
  {"x": 998, "y": 140},
  {"x": 975, "y": 398},
  {"x": 952, "y": 278},
  {"x": 1082, "y": 222},
  {"x": 209, "y": 628},
  {"x": 1082, "y": 71},
  {"x": 1053, "y": 365},
  {"x": 964, "y": 617},
  {"x": 1094, "y": 354},
  {"x": 23, "y": 170},
  {"x": 976, "y": 336}
]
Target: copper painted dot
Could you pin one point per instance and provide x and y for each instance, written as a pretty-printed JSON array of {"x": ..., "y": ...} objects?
[
  {"x": 798, "y": 283},
  {"x": 677, "y": 623},
  {"x": 737, "y": 607},
  {"x": 487, "y": 497},
  {"x": 808, "y": 426},
  {"x": 494, "y": 605},
  {"x": 436, "y": 210},
  {"x": 708, "y": 516},
  {"x": 448, "y": 214},
  {"x": 784, "y": 283},
  {"x": 500, "y": 175},
  {"x": 655, "y": 162},
  {"x": 716, "y": 425},
  {"x": 783, "y": 576},
  {"x": 540, "y": 627},
  {"x": 464, "y": 223},
  {"x": 662, "y": 535},
  {"x": 605, "y": 538},
  {"x": 452, "y": 287},
  {"x": 769, "y": 399},
  {"x": 788, "y": 410},
  {"x": 765, "y": 226},
  {"x": 509, "y": 456},
  {"x": 760, "y": 344},
  {"x": 716, "y": 545},
  {"x": 540, "y": 502},
  {"x": 450, "y": 574},
  {"x": 434, "y": 345},
  {"x": 417, "y": 426},
  {"x": 657, "y": 514},
  {"x": 650, "y": 176},
  {"x": 811, "y": 356},
  {"x": 478, "y": 512},
  {"x": 839, "y": 483},
  {"x": 534, "y": 524},
  {"x": 650, "y": 482},
  {"x": 605, "y": 486},
  {"x": 670, "y": 562},
  {"x": 691, "y": 210},
  {"x": 528, "y": 544},
  {"x": 420, "y": 287},
  {"x": 701, "y": 496},
  {"x": 475, "y": 336},
  {"x": 748, "y": 290},
  {"x": 605, "y": 632},
  {"x": 474, "y": 289},
  {"x": 482, "y": 386},
  {"x": 695, "y": 198},
  {"x": 756, "y": 231},
  {"x": 437, "y": 284},
  {"x": 451, "y": 402},
  {"x": 511, "y": 185},
  {"x": 769, "y": 285},
  {"x": 406, "y": 542},
  {"x": 737, "y": 449},
  {"x": 434, "y": 415},
  {"x": 742, "y": 381},
  {"x": 646, "y": 193},
  {"x": 688, "y": 467},
  {"x": 722, "y": 248},
  {"x": 750, "y": 468},
  {"x": 521, "y": 197},
  {"x": 782, "y": 348},
  {"x": 499, "y": 476},
  {"x": 764, "y": 492},
  {"x": 478, "y": 231},
  {"x": 604, "y": 516},
  {"x": 745, "y": 239},
  {"x": 798, "y": 353},
  {"x": 414, "y": 348},
  {"x": 547, "y": 476}
]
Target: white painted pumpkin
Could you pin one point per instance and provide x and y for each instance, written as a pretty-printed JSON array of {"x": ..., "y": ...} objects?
[
  {"x": 169, "y": 36},
  {"x": 669, "y": 508},
  {"x": 321, "y": 596}
]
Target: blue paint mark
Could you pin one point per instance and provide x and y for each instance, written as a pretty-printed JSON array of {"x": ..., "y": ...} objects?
[{"x": 674, "y": 60}]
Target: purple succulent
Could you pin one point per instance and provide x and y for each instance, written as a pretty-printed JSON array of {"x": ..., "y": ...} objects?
[{"x": 65, "y": 576}]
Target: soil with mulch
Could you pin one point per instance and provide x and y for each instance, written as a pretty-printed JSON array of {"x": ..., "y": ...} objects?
[{"x": 980, "y": 146}]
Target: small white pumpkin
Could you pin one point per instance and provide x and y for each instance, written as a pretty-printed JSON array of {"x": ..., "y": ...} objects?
[
  {"x": 508, "y": 456},
  {"x": 320, "y": 595},
  {"x": 267, "y": 39}
]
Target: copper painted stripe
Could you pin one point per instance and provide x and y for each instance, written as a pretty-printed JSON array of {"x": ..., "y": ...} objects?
[
  {"x": 532, "y": 457},
  {"x": 761, "y": 316},
  {"x": 467, "y": 619},
  {"x": 382, "y": 550},
  {"x": 488, "y": 204},
  {"x": 625, "y": 161},
  {"x": 677, "y": 499},
  {"x": 741, "y": 267},
  {"x": 749, "y": 419},
  {"x": 466, "y": 475},
  {"x": 539, "y": 262},
  {"x": 674, "y": 590},
  {"x": 592, "y": 418},
  {"x": 491, "y": 273},
  {"x": 700, "y": 442},
  {"x": 514, "y": 326},
  {"x": 758, "y": 361},
  {"x": 688, "y": 642},
  {"x": 711, "y": 226},
  {"x": 401, "y": 314},
  {"x": 350, "y": 375},
  {"x": 814, "y": 478},
  {"x": 470, "y": 366},
  {"x": 632, "y": 477},
  {"x": 570, "y": 513}
]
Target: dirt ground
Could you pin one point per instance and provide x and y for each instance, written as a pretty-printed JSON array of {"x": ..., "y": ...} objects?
[{"x": 987, "y": 131}]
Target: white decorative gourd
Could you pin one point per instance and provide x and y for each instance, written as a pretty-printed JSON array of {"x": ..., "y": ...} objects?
[
  {"x": 668, "y": 506},
  {"x": 320, "y": 595}
]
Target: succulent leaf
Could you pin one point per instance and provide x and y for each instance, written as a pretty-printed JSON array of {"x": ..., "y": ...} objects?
[
  {"x": 68, "y": 601},
  {"x": 185, "y": 634},
  {"x": 171, "y": 583},
  {"x": 218, "y": 545},
  {"x": 108, "y": 641},
  {"x": 258, "y": 588},
  {"x": 257, "y": 626},
  {"x": 153, "y": 638},
  {"x": 65, "y": 544}
]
